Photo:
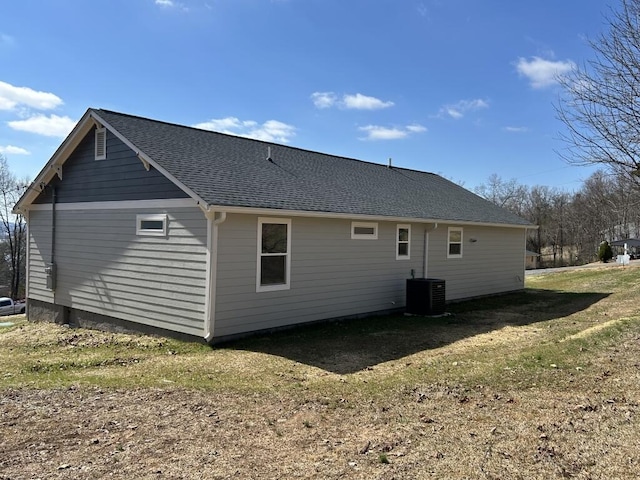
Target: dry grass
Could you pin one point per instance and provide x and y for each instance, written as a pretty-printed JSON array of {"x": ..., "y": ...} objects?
[{"x": 544, "y": 384}]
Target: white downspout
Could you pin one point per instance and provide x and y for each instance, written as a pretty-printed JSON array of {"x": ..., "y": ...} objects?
[
  {"x": 212, "y": 271},
  {"x": 425, "y": 257}
]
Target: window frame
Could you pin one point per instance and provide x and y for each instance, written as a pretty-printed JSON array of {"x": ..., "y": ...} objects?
[
  {"x": 100, "y": 139},
  {"x": 399, "y": 227},
  {"x": 364, "y": 236},
  {"x": 449, "y": 242},
  {"x": 287, "y": 255},
  {"x": 152, "y": 217}
]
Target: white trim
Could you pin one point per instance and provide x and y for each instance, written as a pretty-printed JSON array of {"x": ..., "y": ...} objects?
[
  {"x": 27, "y": 268},
  {"x": 211, "y": 281},
  {"x": 284, "y": 286},
  {"x": 117, "y": 205},
  {"x": 100, "y": 140},
  {"x": 154, "y": 217},
  {"x": 364, "y": 236},
  {"x": 449, "y": 242},
  {"x": 403, "y": 226},
  {"x": 357, "y": 217}
]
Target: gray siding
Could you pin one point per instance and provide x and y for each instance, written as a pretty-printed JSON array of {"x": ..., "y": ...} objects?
[
  {"x": 492, "y": 264},
  {"x": 331, "y": 275},
  {"x": 104, "y": 267},
  {"x": 334, "y": 276},
  {"x": 121, "y": 176}
]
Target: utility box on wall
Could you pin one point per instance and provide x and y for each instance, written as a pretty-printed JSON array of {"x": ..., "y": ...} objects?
[{"x": 425, "y": 296}]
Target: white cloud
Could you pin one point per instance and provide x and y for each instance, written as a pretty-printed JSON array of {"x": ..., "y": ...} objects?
[
  {"x": 376, "y": 132},
  {"x": 358, "y": 101},
  {"x": 50, "y": 126},
  {"x": 12, "y": 97},
  {"x": 363, "y": 102},
  {"x": 543, "y": 73},
  {"x": 165, "y": 3},
  {"x": 516, "y": 129},
  {"x": 460, "y": 109},
  {"x": 415, "y": 128},
  {"x": 6, "y": 39},
  {"x": 323, "y": 99},
  {"x": 12, "y": 150},
  {"x": 269, "y": 131}
]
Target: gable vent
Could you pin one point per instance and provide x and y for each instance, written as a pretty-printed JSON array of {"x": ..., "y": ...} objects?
[{"x": 101, "y": 143}]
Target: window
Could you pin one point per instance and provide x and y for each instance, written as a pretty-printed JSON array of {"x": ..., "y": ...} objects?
[
  {"x": 403, "y": 242},
  {"x": 274, "y": 251},
  {"x": 101, "y": 143},
  {"x": 455, "y": 243},
  {"x": 151, "y": 225},
  {"x": 364, "y": 231}
]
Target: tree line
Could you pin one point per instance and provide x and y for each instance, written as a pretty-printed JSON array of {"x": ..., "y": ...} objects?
[{"x": 571, "y": 226}]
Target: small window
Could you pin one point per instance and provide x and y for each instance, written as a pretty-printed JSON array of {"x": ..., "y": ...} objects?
[
  {"x": 151, "y": 225},
  {"x": 274, "y": 251},
  {"x": 101, "y": 143},
  {"x": 5, "y": 303},
  {"x": 364, "y": 231},
  {"x": 455, "y": 243},
  {"x": 403, "y": 242}
]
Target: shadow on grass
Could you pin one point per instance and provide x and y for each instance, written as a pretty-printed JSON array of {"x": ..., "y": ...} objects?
[{"x": 349, "y": 346}]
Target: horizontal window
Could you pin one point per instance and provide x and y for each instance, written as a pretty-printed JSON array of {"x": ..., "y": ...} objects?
[
  {"x": 364, "y": 231},
  {"x": 151, "y": 225}
]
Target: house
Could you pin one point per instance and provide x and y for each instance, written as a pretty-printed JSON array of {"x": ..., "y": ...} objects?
[
  {"x": 155, "y": 226},
  {"x": 532, "y": 259}
]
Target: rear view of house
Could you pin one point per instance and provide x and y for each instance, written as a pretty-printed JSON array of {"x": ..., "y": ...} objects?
[{"x": 155, "y": 226}]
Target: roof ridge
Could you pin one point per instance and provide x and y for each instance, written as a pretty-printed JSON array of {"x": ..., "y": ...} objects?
[{"x": 315, "y": 152}]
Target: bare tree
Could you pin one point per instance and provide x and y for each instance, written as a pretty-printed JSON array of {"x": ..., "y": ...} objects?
[
  {"x": 600, "y": 107},
  {"x": 504, "y": 193},
  {"x": 13, "y": 228}
]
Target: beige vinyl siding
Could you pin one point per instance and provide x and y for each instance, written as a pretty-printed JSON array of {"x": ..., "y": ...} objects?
[
  {"x": 331, "y": 274},
  {"x": 492, "y": 264},
  {"x": 104, "y": 267}
]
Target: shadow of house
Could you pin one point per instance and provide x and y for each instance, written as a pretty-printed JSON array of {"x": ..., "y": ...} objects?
[{"x": 345, "y": 347}]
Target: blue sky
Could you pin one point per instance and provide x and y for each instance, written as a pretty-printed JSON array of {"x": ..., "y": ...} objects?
[{"x": 463, "y": 88}]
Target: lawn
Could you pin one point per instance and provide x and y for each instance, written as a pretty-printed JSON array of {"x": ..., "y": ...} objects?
[{"x": 543, "y": 383}]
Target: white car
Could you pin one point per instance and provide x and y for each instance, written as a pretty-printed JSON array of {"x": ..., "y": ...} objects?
[{"x": 9, "y": 307}]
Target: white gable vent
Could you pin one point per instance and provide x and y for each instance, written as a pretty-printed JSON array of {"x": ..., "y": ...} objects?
[{"x": 101, "y": 143}]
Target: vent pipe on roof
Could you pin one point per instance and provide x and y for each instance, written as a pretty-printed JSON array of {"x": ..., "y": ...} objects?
[
  {"x": 269, "y": 154},
  {"x": 390, "y": 165}
]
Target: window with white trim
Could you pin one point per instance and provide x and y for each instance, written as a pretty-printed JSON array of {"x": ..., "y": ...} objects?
[
  {"x": 454, "y": 247},
  {"x": 154, "y": 224},
  {"x": 403, "y": 242},
  {"x": 274, "y": 254},
  {"x": 101, "y": 143},
  {"x": 364, "y": 231}
]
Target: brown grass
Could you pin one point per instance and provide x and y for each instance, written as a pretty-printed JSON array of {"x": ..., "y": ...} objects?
[{"x": 544, "y": 384}]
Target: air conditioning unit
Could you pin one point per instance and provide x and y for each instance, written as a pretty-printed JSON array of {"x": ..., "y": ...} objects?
[{"x": 425, "y": 296}]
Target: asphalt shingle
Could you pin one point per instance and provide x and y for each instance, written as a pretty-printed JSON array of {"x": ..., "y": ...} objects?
[{"x": 227, "y": 170}]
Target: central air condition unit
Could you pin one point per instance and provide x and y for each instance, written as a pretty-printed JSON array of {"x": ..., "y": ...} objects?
[{"x": 425, "y": 296}]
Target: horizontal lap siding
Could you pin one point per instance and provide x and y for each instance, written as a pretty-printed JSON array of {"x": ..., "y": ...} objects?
[
  {"x": 494, "y": 263},
  {"x": 104, "y": 267},
  {"x": 331, "y": 274},
  {"x": 121, "y": 176}
]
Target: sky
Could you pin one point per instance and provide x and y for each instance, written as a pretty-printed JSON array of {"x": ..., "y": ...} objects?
[{"x": 462, "y": 88}]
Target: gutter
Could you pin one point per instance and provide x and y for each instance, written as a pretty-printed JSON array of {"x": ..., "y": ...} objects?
[{"x": 213, "y": 224}]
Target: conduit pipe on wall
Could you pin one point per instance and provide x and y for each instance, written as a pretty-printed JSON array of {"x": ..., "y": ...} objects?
[
  {"x": 212, "y": 271},
  {"x": 425, "y": 257}
]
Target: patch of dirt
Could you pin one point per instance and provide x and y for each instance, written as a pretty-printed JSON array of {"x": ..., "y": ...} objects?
[{"x": 441, "y": 430}]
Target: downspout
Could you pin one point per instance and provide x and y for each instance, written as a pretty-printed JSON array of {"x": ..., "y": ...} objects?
[
  {"x": 425, "y": 257},
  {"x": 51, "y": 269},
  {"x": 212, "y": 271}
]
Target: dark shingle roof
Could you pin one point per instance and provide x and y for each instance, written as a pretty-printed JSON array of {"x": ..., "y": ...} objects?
[{"x": 234, "y": 171}]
